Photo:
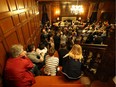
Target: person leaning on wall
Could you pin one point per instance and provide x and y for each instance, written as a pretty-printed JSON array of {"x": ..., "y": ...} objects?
[{"x": 17, "y": 70}]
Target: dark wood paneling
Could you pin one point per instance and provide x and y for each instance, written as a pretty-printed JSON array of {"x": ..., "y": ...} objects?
[
  {"x": 2, "y": 61},
  {"x": 25, "y": 33},
  {"x": 30, "y": 29},
  {"x": 2, "y": 57},
  {"x": 22, "y": 17},
  {"x": 16, "y": 19},
  {"x": 12, "y": 39},
  {"x": 8, "y": 22},
  {"x": 20, "y": 36},
  {"x": 32, "y": 26},
  {"x": 17, "y": 25}
]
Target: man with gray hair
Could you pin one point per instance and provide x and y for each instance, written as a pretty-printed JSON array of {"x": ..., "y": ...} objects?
[{"x": 17, "y": 70}]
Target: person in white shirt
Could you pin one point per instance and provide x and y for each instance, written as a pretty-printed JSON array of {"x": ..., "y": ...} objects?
[{"x": 41, "y": 49}]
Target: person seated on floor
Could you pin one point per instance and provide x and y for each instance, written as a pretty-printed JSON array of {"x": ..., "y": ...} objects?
[
  {"x": 77, "y": 40},
  {"x": 72, "y": 66},
  {"x": 51, "y": 63},
  {"x": 36, "y": 58},
  {"x": 17, "y": 69},
  {"x": 98, "y": 39},
  {"x": 42, "y": 49}
]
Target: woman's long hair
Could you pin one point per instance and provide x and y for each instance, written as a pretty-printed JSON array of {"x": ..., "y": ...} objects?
[{"x": 76, "y": 52}]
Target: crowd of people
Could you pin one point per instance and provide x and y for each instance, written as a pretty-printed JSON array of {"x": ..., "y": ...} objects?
[{"x": 59, "y": 46}]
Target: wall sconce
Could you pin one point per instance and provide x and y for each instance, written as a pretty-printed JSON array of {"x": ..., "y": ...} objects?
[
  {"x": 57, "y": 12},
  {"x": 58, "y": 18},
  {"x": 79, "y": 18}
]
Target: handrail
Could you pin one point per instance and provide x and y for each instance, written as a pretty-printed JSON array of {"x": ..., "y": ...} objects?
[{"x": 92, "y": 55}]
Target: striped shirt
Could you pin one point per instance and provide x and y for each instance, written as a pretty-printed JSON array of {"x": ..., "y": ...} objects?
[{"x": 51, "y": 63}]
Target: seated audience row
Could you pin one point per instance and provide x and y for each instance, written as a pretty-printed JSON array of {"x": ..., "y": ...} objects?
[{"x": 22, "y": 66}]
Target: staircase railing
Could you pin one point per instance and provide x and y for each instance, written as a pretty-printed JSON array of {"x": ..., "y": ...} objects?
[{"x": 92, "y": 57}]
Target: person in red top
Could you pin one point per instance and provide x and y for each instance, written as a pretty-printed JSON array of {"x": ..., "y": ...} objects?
[{"x": 17, "y": 70}]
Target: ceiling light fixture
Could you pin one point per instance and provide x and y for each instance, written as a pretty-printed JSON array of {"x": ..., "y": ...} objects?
[{"x": 77, "y": 9}]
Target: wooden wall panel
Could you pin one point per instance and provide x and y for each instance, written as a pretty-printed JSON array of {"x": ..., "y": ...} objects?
[
  {"x": 37, "y": 38},
  {"x": 2, "y": 61},
  {"x": 34, "y": 37},
  {"x": 30, "y": 12},
  {"x": 2, "y": 56},
  {"x": 18, "y": 24},
  {"x": 20, "y": 4},
  {"x": 16, "y": 20},
  {"x": 25, "y": 3},
  {"x": 20, "y": 36},
  {"x": 37, "y": 21},
  {"x": 1, "y": 34},
  {"x": 25, "y": 33},
  {"x": 22, "y": 17},
  {"x": 32, "y": 26},
  {"x": 27, "y": 14},
  {"x": 12, "y": 39},
  {"x": 3, "y": 6},
  {"x": 8, "y": 22},
  {"x": 12, "y": 4},
  {"x": 30, "y": 30},
  {"x": 29, "y": 3}
]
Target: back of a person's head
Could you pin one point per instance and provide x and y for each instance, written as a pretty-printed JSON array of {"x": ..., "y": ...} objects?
[
  {"x": 76, "y": 50},
  {"x": 63, "y": 45},
  {"x": 41, "y": 46},
  {"x": 30, "y": 47},
  {"x": 51, "y": 51},
  {"x": 77, "y": 41},
  {"x": 16, "y": 50}
]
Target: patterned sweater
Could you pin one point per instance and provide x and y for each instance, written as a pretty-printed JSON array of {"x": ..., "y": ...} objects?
[{"x": 51, "y": 63}]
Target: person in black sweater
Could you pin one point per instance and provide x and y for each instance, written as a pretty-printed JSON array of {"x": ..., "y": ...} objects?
[{"x": 62, "y": 52}]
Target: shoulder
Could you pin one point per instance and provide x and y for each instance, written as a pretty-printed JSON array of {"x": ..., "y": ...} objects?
[
  {"x": 31, "y": 53},
  {"x": 56, "y": 58}
]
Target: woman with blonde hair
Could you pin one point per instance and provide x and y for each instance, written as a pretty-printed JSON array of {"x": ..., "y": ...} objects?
[{"x": 72, "y": 66}]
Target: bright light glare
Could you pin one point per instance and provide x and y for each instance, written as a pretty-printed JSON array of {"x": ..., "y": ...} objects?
[
  {"x": 77, "y": 9},
  {"x": 37, "y": 13}
]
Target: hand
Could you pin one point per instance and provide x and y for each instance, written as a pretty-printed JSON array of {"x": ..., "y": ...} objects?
[
  {"x": 42, "y": 54},
  {"x": 41, "y": 59},
  {"x": 23, "y": 54}
]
